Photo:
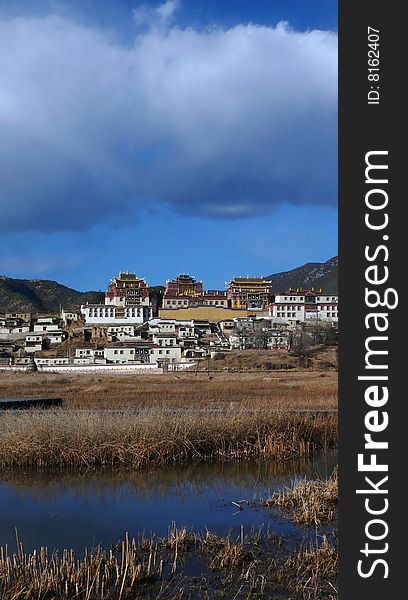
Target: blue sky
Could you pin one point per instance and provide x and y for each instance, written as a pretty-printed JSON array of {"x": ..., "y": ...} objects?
[{"x": 163, "y": 137}]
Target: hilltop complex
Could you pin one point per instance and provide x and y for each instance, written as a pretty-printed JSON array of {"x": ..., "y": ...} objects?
[
  {"x": 127, "y": 302},
  {"x": 191, "y": 324}
]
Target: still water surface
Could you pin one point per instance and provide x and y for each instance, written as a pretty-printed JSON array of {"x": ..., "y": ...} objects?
[{"x": 73, "y": 510}]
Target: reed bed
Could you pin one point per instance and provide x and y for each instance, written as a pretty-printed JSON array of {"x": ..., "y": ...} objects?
[
  {"x": 314, "y": 570},
  {"x": 256, "y": 565},
  {"x": 153, "y": 437},
  {"x": 311, "y": 502}
]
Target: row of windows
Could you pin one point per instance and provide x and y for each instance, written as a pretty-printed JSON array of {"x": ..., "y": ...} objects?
[
  {"x": 318, "y": 298},
  {"x": 131, "y": 312},
  {"x": 110, "y": 312},
  {"x": 186, "y": 302},
  {"x": 300, "y": 308},
  {"x": 53, "y": 362}
]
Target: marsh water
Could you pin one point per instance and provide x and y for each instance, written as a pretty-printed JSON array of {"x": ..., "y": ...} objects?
[{"x": 74, "y": 510}]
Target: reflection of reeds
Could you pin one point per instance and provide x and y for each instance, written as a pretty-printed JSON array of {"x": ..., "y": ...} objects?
[
  {"x": 154, "y": 437},
  {"x": 312, "y": 502},
  {"x": 165, "y": 483},
  {"x": 256, "y": 565}
]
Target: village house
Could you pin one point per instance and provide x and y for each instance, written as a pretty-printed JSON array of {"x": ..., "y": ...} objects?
[
  {"x": 227, "y": 326},
  {"x": 165, "y": 354},
  {"x": 128, "y": 353},
  {"x": 24, "y": 316},
  {"x": 45, "y": 324},
  {"x": 89, "y": 355},
  {"x": 187, "y": 331},
  {"x": 51, "y": 361},
  {"x": 12, "y": 326},
  {"x": 68, "y": 316},
  {"x": 122, "y": 332},
  {"x": 57, "y": 337},
  {"x": 35, "y": 342},
  {"x": 195, "y": 353},
  {"x": 162, "y": 326},
  {"x": 23, "y": 360},
  {"x": 164, "y": 339}
]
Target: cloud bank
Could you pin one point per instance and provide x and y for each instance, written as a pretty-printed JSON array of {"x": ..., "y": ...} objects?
[{"x": 222, "y": 123}]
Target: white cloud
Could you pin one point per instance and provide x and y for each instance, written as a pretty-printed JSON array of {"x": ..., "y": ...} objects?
[
  {"x": 221, "y": 122},
  {"x": 156, "y": 16}
]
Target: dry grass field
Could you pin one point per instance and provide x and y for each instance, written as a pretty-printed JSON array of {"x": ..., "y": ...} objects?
[
  {"x": 273, "y": 390},
  {"x": 138, "y": 421}
]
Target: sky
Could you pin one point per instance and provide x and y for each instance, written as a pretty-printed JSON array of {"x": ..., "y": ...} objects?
[{"x": 190, "y": 136}]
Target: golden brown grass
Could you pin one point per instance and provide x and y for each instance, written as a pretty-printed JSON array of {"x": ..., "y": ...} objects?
[
  {"x": 318, "y": 358},
  {"x": 314, "y": 570},
  {"x": 279, "y": 390},
  {"x": 249, "y": 567},
  {"x": 58, "y": 438},
  {"x": 311, "y": 502}
]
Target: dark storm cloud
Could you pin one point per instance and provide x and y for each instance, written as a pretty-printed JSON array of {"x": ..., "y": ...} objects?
[{"x": 217, "y": 122}]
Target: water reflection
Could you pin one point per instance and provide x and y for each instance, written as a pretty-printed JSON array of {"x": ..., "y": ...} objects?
[{"x": 71, "y": 509}]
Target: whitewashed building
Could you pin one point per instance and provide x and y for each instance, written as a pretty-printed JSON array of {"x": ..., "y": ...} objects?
[
  {"x": 165, "y": 354},
  {"x": 128, "y": 354},
  {"x": 51, "y": 361},
  {"x": 164, "y": 339},
  {"x": 34, "y": 342},
  {"x": 162, "y": 326},
  {"x": 89, "y": 353},
  {"x": 69, "y": 316},
  {"x": 298, "y": 307},
  {"x": 122, "y": 332},
  {"x": 99, "y": 314},
  {"x": 45, "y": 324}
]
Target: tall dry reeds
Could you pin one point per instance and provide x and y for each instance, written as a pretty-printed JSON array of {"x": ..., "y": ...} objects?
[
  {"x": 311, "y": 502},
  {"x": 61, "y": 438}
]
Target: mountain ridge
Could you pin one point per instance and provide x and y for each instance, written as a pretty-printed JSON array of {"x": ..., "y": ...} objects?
[
  {"x": 317, "y": 275},
  {"x": 41, "y": 295}
]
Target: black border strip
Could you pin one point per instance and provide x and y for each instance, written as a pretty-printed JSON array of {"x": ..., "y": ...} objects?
[{"x": 363, "y": 128}]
